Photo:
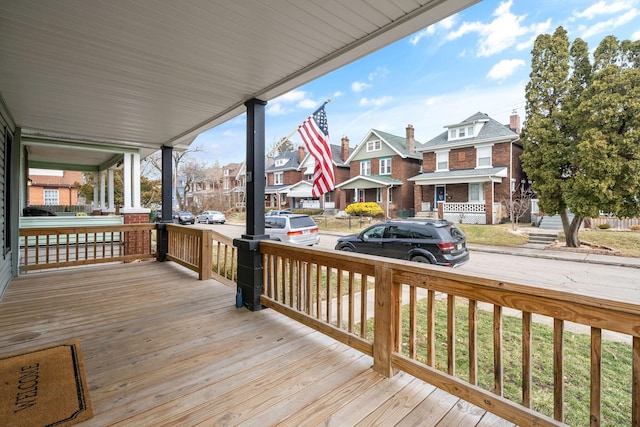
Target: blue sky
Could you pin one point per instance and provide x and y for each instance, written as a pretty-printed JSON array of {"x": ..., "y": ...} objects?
[{"x": 476, "y": 60}]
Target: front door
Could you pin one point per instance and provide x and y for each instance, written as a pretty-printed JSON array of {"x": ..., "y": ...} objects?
[{"x": 440, "y": 195}]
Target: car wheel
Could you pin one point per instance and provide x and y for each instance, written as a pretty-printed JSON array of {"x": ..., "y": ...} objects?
[
  {"x": 208, "y": 221},
  {"x": 421, "y": 258},
  {"x": 346, "y": 249}
]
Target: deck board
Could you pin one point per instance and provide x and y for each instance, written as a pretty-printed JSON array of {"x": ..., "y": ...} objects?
[{"x": 163, "y": 348}]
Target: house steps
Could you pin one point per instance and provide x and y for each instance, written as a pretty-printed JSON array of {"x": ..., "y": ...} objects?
[{"x": 542, "y": 238}]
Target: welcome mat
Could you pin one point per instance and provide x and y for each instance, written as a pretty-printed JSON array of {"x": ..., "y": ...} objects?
[{"x": 44, "y": 387}]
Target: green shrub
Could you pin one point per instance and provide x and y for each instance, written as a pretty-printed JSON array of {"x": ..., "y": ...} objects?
[
  {"x": 364, "y": 208},
  {"x": 604, "y": 226}
]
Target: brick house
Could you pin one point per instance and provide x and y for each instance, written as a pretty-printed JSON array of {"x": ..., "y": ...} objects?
[
  {"x": 233, "y": 184},
  {"x": 333, "y": 200},
  {"x": 380, "y": 168},
  {"x": 53, "y": 187},
  {"x": 470, "y": 170},
  {"x": 281, "y": 173}
]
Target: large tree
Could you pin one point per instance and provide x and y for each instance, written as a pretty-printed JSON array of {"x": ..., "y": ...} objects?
[{"x": 581, "y": 138}]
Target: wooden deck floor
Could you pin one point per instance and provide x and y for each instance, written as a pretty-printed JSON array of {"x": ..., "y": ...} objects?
[{"x": 162, "y": 348}]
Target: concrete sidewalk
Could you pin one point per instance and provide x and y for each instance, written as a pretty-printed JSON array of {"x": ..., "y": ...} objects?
[{"x": 549, "y": 252}]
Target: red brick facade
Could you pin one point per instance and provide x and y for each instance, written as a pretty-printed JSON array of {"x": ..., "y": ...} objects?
[{"x": 65, "y": 186}]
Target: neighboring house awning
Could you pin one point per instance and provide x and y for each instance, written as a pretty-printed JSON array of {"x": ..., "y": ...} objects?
[
  {"x": 276, "y": 189},
  {"x": 301, "y": 189},
  {"x": 237, "y": 190},
  {"x": 362, "y": 182},
  {"x": 461, "y": 176}
]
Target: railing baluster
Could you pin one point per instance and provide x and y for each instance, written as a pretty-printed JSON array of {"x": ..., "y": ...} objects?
[
  {"x": 451, "y": 335},
  {"x": 364, "y": 291},
  {"x": 327, "y": 285},
  {"x": 352, "y": 294},
  {"x": 596, "y": 377},
  {"x": 339, "y": 307},
  {"x": 431, "y": 328},
  {"x": 558, "y": 369},
  {"x": 635, "y": 384},
  {"x": 473, "y": 342},
  {"x": 498, "y": 368},
  {"x": 412, "y": 321},
  {"x": 526, "y": 359}
]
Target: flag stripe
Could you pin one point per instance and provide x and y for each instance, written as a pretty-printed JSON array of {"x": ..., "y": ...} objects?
[{"x": 315, "y": 134}]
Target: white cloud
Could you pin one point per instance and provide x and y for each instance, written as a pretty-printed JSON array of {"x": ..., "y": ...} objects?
[
  {"x": 610, "y": 24},
  {"x": 604, "y": 7},
  {"x": 375, "y": 102},
  {"x": 359, "y": 86},
  {"x": 446, "y": 24},
  {"x": 380, "y": 72},
  {"x": 307, "y": 104},
  {"x": 293, "y": 96},
  {"x": 502, "y": 32},
  {"x": 277, "y": 109},
  {"x": 505, "y": 68},
  {"x": 338, "y": 94},
  {"x": 636, "y": 35}
]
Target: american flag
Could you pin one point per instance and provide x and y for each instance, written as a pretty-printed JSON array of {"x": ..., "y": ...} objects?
[{"x": 315, "y": 134}]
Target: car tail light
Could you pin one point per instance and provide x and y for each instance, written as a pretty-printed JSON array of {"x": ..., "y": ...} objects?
[
  {"x": 300, "y": 232},
  {"x": 446, "y": 246}
]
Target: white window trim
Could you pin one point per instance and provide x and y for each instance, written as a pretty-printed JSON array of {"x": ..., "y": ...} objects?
[
  {"x": 478, "y": 153},
  {"x": 51, "y": 192},
  {"x": 278, "y": 178},
  {"x": 374, "y": 145},
  {"x": 481, "y": 192},
  {"x": 438, "y": 154},
  {"x": 365, "y": 166},
  {"x": 381, "y": 167}
]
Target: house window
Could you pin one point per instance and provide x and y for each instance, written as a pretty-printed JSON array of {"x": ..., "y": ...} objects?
[
  {"x": 462, "y": 132},
  {"x": 453, "y": 133},
  {"x": 391, "y": 195},
  {"x": 281, "y": 162},
  {"x": 360, "y": 196},
  {"x": 385, "y": 166},
  {"x": 476, "y": 192},
  {"x": 226, "y": 172},
  {"x": 470, "y": 131},
  {"x": 379, "y": 195},
  {"x": 374, "y": 145},
  {"x": 443, "y": 161},
  {"x": 277, "y": 178},
  {"x": 483, "y": 157},
  {"x": 365, "y": 167},
  {"x": 51, "y": 197}
]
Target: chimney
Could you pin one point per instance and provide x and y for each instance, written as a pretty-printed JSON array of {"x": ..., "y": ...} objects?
[
  {"x": 411, "y": 140},
  {"x": 300, "y": 153},
  {"x": 514, "y": 122},
  {"x": 344, "y": 146}
]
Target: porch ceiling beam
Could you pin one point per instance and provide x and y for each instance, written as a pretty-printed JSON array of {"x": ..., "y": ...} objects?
[
  {"x": 63, "y": 166},
  {"x": 76, "y": 145}
]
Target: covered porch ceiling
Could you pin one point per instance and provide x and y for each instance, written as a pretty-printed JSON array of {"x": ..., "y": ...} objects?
[{"x": 140, "y": 74}]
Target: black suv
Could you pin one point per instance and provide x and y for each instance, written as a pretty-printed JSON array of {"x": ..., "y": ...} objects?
[{"x": 422, "y": 240}]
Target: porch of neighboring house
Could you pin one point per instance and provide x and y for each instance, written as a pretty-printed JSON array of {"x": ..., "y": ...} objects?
[
  {"x": 348, "y": 339},
  {"x": 161, "y": 347}
]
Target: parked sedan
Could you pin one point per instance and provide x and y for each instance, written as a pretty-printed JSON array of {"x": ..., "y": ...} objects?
[
  {"x": 212, "y": 217},
  {"x": 183, "y": 217},
  {"x": 431, "y": 241}
]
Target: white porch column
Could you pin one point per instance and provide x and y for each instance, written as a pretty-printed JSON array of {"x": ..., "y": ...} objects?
[
  {"x": 96, "y": 191},
  {"x": 136, "y": 180},
  {"x": 111, "y": 185},
  {"x": 103, "y": 186},
  {"x": 126, "y": 180}
]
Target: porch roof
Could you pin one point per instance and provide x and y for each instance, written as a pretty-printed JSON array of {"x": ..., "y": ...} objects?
[
  {"x": 152, "y": 73},
  {"x": 363, "y": 182},
  {"x": 462, "y": 176}
]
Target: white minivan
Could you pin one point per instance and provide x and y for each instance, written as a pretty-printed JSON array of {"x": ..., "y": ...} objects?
[{"x": 295, "y": 228}]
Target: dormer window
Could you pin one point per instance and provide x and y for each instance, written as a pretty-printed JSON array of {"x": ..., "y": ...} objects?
[
  {"x": 461, "y": 132},
  {"x": 281, "y": 162},
  {"x": 374, "y": 145}
]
